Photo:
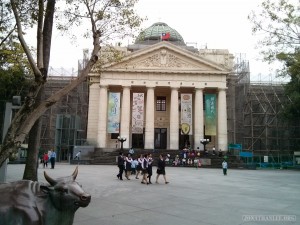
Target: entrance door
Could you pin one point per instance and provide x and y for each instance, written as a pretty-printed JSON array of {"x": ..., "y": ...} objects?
[
  {"x": 138, "y": 141},
  {"x": 160, "y": 138},
  {"x": 184, "y": 140}
]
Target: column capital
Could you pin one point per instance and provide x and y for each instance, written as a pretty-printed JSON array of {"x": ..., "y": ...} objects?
[
  {"x": 174, "y": 88},
  {"x": 103, "y": 86},
  {"x": 222, "y": 88},
  {"x": 199, "y": 89},
  {"x": 126, "y": 87},
  {"x": 150, "y": 87}
]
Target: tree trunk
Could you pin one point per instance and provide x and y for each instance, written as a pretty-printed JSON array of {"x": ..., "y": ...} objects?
[
  {"x": 30, "y": 111},
  {"x": 32, "y": 160}
]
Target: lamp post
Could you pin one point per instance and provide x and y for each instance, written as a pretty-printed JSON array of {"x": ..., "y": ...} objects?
[
  {"x": 121, "y": 139},
  {"x": 204, "y": 142}
]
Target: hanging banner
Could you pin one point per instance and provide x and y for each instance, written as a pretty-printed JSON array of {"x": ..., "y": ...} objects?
[
  {"x": 113, "y": 113},
  {"x": 210, "y": 114},
  {"x": 137, "y": 113},
  {"x": 186, "y": 114}
]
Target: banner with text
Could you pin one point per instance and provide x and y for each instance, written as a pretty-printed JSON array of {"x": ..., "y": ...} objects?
[
  {"x": 113, "y": 112},
  {"x": 210, "y": 114},
  {"x": 186, "y": 114},
  {"x": 137, "y": 113}
]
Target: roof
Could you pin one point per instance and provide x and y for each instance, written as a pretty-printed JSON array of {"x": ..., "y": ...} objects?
[{"x": 153, "y": 34}]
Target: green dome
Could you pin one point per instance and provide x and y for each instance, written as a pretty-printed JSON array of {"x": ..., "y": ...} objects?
[{"x": 153, "y": 34}]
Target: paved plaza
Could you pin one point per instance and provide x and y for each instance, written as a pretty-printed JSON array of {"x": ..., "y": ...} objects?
[{"x": 193, "y": 196}]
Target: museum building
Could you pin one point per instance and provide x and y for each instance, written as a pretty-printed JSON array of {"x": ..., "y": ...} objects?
[{"x": 163, "y": 94}]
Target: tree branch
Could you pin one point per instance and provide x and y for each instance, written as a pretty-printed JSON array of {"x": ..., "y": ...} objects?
[
  {"x": 40, "y": 63},
  {"x": 8, "y": 35},
  {"x": 36, "y": 71}
]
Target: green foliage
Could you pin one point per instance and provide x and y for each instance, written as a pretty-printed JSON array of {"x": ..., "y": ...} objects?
[
  {"x": 292, "y": 89},
  {"x": 6, "y": 22},
  {"x": 14, "y": 71},
  {"x": 278, "y": 23}
]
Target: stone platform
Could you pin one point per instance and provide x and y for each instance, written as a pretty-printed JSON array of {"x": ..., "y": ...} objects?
[{"x": 193, "y": 196}]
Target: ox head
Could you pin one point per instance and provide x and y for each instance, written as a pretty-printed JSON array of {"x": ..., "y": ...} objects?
[{"x": 65, "y": 193}]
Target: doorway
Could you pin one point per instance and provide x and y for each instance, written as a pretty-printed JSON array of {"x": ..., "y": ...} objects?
[
  {"x": 137, "y": 141},
  {"x": 160, "y": 138}
]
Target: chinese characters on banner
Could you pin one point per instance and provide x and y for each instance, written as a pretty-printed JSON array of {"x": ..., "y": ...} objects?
[
  {"x": 113, "y": 112},
  {"x": 137, "y": 113},
  {"x": 210, "y": 114},
  {"x": 186, "y": 114}
]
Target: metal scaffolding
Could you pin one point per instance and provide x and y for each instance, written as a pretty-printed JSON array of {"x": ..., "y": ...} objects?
[
  {"x": 253, "y": 111},
  {"x": 64, "y": 124},
  {"x": 254, "y": 115}
]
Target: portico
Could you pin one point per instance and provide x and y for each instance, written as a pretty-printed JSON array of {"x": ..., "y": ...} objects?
[{"x": 174, "y": 86}]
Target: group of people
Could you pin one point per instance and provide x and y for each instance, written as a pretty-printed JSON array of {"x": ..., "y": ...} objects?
[
  {"x": 141, "y": 166},
  {"x": 49, "y": 156},
  {"x": 195, "y": 161}
]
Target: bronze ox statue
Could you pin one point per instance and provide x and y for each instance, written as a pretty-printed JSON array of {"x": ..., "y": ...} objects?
[{"x": 26, "y": 202}]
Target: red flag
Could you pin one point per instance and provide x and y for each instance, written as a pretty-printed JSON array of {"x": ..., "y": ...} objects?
[{"x": 165, "y": 36}]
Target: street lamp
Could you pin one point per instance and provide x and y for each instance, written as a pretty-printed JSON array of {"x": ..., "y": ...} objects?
[
  {"x": 121, "y": 139},
  {"x": 204, "y": 142}
]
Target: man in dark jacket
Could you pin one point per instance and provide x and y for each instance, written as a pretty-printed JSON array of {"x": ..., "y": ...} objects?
[{"x": 120, "y": 165}]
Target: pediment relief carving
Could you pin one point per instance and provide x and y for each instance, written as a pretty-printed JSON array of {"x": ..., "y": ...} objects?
[{"x": 162, "y": 59}]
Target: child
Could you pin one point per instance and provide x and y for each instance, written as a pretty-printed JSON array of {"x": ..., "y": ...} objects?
[
  {"x": 224, "y": 166},
  {"x": 134, "y": 164},
  {"x": 45, "y": 159}
]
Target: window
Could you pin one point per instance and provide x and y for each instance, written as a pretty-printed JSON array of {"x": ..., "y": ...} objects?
[
  {"x": 114, "y": 135},
  {"x": 161, "y": 103}
]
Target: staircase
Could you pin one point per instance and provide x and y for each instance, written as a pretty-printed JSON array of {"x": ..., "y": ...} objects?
[{"x": 109, "y": 157}]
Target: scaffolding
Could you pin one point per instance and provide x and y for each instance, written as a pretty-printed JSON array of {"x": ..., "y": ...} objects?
[
  {"x": 64, "y": 124},
  {"x": 253, "y": 113},
  {"x": 254, "y": 116}
]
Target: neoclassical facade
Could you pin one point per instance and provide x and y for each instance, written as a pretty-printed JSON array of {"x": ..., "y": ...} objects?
[{"x": 162, "y": 96}]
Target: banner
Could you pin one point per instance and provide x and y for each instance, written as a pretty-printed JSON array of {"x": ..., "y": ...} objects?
[
  {"x": 210, "y": 114},
  {"x": 137, "y": 113},
  {"x": 186, "y": 114},
  {"x": 113, "y": 113}
]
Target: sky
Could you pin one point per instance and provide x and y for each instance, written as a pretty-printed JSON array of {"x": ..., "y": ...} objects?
[{"x": 217, "y": 24}]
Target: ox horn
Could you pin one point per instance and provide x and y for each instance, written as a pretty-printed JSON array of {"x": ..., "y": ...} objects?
[
  {"x": 74, "y": 175},
  {"x": 49, "y": 179}
]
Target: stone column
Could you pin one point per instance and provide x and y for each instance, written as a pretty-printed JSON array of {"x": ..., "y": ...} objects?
[
  {"x": 93, "y": 113},
  {"x": 174, "y": 119},
  {"x": 102, "y": 122},
  {"x": 125, "y": 116},
  {"x": 149, "y": 127},
  {"x": 199, "y": 123},
  {"x": 222, "y": 120}
]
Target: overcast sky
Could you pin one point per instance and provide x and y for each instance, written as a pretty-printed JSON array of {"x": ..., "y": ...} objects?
[{"x": 217, "y": 24}]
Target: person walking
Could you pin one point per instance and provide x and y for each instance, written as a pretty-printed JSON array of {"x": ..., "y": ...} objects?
[
  {"x": 145, "y": 169},
  {"x": 224, "y": 166},
  {"x": 128, "y": 161},
  {"x": 150, "y": 161},
  {"x": 45, "y": 159},
  {"x": 139, "y": 166},
  {"x": 134, "y": 164},
  {"x": 52, "y": 158},
  {"x": 121, "y": 166},
  {"x": 161, "y": 168}
]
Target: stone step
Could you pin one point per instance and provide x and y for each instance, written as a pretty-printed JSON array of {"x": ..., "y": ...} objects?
[{"x": 108, "y": 157}]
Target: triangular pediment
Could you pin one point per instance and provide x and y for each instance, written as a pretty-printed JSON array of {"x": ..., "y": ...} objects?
[{"x": 165, "y": 57}]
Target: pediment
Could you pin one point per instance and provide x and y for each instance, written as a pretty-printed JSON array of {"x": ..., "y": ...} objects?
[{"x": 165, "y": 57}]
